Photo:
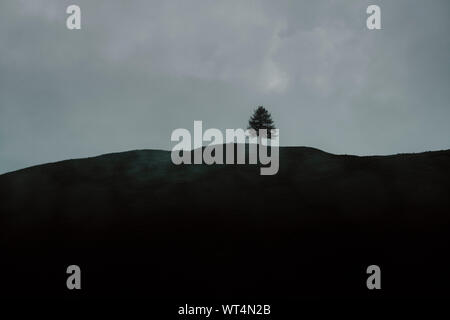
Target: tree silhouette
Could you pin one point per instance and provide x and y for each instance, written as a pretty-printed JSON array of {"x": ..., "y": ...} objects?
[{"x": 261, "y": 119}]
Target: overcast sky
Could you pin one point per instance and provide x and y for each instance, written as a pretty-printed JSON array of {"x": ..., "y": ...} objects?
[{"x": 140, "y": 69}]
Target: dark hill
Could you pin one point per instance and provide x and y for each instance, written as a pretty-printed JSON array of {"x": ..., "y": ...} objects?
[{"x": 139, "y": 225}]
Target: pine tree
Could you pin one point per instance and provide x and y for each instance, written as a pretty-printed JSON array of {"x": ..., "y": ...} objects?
[{"x": 261, "y": 119}]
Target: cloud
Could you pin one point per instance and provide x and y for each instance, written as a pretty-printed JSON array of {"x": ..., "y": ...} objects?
[{"x": 137, "y": 71}]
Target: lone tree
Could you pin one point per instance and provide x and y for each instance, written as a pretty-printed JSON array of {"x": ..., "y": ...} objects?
[{"x": 261, "y": 119}]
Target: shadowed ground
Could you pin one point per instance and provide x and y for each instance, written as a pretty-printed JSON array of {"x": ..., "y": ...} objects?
[{"x": 139, "y": 226}]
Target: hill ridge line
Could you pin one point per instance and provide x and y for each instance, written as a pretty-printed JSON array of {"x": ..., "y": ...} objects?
[{"x": 281, "y": 148}]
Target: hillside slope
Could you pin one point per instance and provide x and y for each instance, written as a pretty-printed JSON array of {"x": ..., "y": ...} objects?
[{"x": 224, "y": 230}]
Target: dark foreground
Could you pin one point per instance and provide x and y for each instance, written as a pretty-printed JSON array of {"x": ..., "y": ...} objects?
[{"x": 139, "y": 226}]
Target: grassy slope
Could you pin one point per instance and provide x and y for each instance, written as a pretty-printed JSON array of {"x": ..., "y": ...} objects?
[{"x": 310, "y": 230}]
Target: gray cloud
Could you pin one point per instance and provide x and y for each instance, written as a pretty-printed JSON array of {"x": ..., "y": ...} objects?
[{"x": 137, "y": 70}]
